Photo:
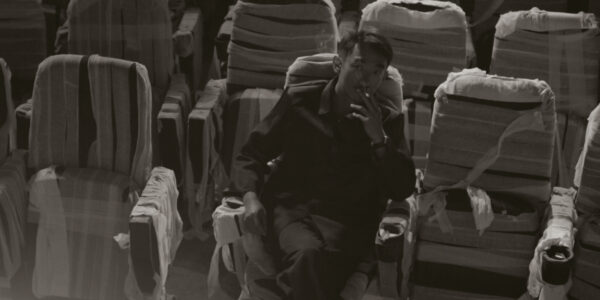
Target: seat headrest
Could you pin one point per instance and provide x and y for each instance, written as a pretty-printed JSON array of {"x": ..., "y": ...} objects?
[{"x": 543, "y": 21}]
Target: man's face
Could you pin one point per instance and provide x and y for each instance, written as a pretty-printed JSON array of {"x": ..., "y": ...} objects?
[{"x": 362, "y": 70}]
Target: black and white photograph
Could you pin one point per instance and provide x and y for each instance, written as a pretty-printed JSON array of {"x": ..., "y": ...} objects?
[{"x": 299, "y": 150}]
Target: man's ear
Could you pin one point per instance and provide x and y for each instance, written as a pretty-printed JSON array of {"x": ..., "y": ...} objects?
[{"x": 337, "y": 64}]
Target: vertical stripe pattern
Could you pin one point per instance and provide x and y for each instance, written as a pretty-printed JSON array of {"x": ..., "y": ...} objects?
[
  {"x": 136, "y": 30},
  {"x": 109, "y": 130},
  {"x": 267, "y": 38}
]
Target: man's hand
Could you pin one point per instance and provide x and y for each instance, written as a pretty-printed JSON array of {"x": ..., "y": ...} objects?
[
  {"x": 254, "y": 220},
  {"x": 370, "y": 115},
  {"x": 253, "y": 225}
]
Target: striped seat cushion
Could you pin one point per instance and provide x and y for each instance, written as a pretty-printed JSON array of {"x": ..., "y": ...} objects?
[
  {"x": 92, "y": 112},
  {"x": 23, "y": 32},
  {"x": 267, "y": 38},
  {"x": 134, "y": 30},
  {"x": 78, "y": 212},
  {"x": 587, "y": 173},
  {"x": 491, "y": 265},
  {"x": 513, "y": 120}
]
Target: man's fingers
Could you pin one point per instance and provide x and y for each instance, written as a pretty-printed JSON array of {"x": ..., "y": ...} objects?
[
  {"x": 360, "y": 117},
  {"x": 359, "y": 109},
  {"x": 372, "y": 106}
]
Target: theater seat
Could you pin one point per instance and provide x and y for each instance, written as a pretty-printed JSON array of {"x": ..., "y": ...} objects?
[
  {"x": 142, "y": 31},
  {"x": 254, "y": 284},
  {"x": 91, "y": 150},
  {"x": 13, "y": 197},
  {"x": 561, "y": 49},
  {"x": 484, "y": 197}
]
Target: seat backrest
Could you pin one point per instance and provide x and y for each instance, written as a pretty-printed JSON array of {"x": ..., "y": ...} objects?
[
  {"x": 267, "y": 38},
  {"x": 513, "y": 120},
  {"x": 429, "y": 38},
  {"x": 92, "y": 112},
  {"x": 22, "y": 36},
  {"x": 560, "y": 48},
  {"x": 587, "y": 172},
  {"x": 136, "y": 30},
  {"x": 7, "y": 116}
]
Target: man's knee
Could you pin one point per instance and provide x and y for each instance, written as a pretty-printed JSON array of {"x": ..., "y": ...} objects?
[
  {"x": 299, "y": 237},
  {"x": 307, "y": 255}
]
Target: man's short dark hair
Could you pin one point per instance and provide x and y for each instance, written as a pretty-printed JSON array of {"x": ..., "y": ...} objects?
[{"x": 374, "y": 41}]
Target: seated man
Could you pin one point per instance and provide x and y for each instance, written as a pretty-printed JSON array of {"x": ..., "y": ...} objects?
[{"x": 342, "y": 155}]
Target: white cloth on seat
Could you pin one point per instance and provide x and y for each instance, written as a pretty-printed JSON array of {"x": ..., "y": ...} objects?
[
  {"x": 559, "y": 232},
  {"x": 482, "y": 208},
  {"x": 159, "y": 201},
  {"x": 542, "y": 21},
  {"x": 443, "y": 14},
  {"x": 471, "y": 101},
  {"x": 80, "y": 210},
  {"x": 228, "y": 250}
]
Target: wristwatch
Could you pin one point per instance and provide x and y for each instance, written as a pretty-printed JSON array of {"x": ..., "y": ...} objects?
[{"x": 381, "y": 144}]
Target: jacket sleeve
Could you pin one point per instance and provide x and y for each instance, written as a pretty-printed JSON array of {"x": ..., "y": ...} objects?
[
  {"x": 264, "y": 143},
  {"x": 397, "y": 169}
]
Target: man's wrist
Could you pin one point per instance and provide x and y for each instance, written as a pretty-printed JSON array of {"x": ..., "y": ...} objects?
[{"x": 379, "y": 143}]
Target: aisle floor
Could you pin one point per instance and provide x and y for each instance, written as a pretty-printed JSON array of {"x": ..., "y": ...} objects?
[{"x": 188, "y": 274}]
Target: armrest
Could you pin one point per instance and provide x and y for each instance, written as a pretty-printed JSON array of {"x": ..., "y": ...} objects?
[
  {"x": 395, "y": 242},
  {"x": 550, "y": 267},
  {"x": 23, "y": 116},
  {"x": 202, "y": 186},
  {"x": 155, "y": 230},
  {"x": 172, "y": 124},
  {"x": 183, "y": 38},
  {"x": 224, "y": 35},
  {"x": 187, "y": 42}
]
